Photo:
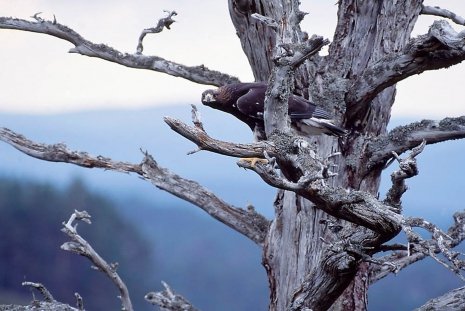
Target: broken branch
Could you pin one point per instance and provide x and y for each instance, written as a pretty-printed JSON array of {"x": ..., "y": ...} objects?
[
  {"x": 162, "y": 23},
  {"x": 81, "y": 247},
  {"x": 198, "y": 136},
  {"x": 41, "y": 288},
  {"x": 407, "y": 169},
  {"x": 402, "y": 259},
  {"x": 169, "y": 300}
]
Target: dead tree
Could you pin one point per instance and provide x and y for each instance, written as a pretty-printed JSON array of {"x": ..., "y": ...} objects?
[{"x": 329, "y": 222}]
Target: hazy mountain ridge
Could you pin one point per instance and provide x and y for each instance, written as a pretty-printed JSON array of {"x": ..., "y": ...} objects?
[
  {"x": 179, "y": 228},
  {"x": 121, "y": 135}
]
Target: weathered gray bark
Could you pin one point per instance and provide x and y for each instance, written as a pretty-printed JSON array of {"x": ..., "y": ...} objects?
[
  {"x": 320, "y": 243},
  {"x": 301, "y": 270},
  {"x": 451, "y": 301}
]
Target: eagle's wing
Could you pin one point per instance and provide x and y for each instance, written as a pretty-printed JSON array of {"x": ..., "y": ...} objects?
[
  {"x": 310, "y": 119},
  {"x": 251, "y": 103},
  {"x": 300, "y": 108},
  {"x": 307, "y": 118}
]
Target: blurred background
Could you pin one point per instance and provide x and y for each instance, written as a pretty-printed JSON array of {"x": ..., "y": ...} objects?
[{"x": 105, "y": 109}]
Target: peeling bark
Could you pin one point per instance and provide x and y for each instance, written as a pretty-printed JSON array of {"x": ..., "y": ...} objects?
[
  {"x": 328, "y": 223},
  {"x": 453, "y": 301},
  {"x": 407, "y": 256},
  {"x": 169, "y": 300},
  {"x": 346, "y": 82},
  {"x": 441, "y": 47},
  {"x": 402, "y": 138}
]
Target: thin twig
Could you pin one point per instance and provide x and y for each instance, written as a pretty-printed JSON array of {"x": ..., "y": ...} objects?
[
  {"x": 162, "y": 23},
  {"x": 416, "y": 252},
  {"x": 407, "y": 169},
  {"x": 169, "y": 300},
  {"x": 41, "y": 288},
  {"x": 79, "y": 302}
]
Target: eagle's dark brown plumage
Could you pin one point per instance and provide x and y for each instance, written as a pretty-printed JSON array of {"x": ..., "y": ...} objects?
[{"x": 246, "y": 102}]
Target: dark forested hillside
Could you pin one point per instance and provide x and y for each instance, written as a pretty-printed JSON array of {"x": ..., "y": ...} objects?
[
  {"x": 218, "y": 258},
  {"x": 30, "y": 240}
]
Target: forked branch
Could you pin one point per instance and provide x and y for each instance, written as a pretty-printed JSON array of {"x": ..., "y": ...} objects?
[
  {"x": 42, "y": 289},
  {"x": 417, "y": 250},
  {"x": 48, "y": 304},
  {"x": 169, "y": 300},
  {"x": 357, "y": 207},
  {"x": 198, "y": 74},
  {"x": 440, "y": 243}
]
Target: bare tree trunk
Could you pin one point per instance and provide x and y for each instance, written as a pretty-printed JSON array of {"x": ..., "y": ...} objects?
[
  {"x": 296, "y": 249},
  {"x": 318, "y": 247}
]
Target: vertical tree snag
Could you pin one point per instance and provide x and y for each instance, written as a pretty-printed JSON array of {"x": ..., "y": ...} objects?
[
  {"x": 369, "y": 36},
  {"x": 329, "y": 220}
]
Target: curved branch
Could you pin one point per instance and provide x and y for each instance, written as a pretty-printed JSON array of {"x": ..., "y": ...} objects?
[
  {"x": 452, "y": 300},
  {"x": 197, "y": 135},
  {"x": 437, "y": 11},
  {"x": 162, "y": 23},
  {"x": 406, "y": 137},
  {"x": 440, "y": 48},
  {"x": 407, "y": 169},
  {"x": 357, "y": 207},
  {"x": 198, "y": 74},
  {"x": 42, "y": 289},
  {"x": 248, "y": 222}
]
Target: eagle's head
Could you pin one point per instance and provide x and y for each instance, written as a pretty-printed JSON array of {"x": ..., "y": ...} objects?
[{"x": 209, "y": 98}]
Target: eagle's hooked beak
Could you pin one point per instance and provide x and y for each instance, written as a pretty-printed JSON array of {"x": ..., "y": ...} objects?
[{"x": 208, "y": 97}]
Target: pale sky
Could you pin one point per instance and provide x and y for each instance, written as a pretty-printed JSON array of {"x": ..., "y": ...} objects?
[{"x": 38, "y": 75}]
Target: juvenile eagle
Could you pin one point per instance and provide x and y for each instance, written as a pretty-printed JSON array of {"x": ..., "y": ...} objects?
[{"x": 245, "y": 101}]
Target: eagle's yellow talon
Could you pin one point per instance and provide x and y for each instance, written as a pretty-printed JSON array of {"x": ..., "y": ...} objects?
[{"x": 254, "y": 161}]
